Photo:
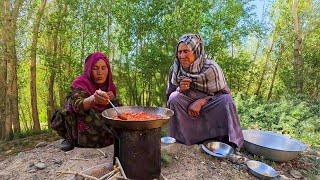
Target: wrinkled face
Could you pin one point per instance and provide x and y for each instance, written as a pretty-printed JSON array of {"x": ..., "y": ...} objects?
[
  {"x": 185, "y": 55},
  {"x": 100, "y": 72}
]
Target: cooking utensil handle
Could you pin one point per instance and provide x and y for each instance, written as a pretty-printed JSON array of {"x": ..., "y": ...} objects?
[{"x": 113, "y": 106}]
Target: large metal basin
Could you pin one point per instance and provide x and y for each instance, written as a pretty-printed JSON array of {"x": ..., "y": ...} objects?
[
  {"x": 273, "y": 146},
  {"x": 165, "y": 114}
]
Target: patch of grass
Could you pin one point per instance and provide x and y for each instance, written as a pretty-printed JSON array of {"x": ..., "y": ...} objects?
[
  {"x": 297, "y": 118},
  {"x": 164, "y": 131},
  {"x": 25, "y": 141},
  {"x": 165, "y": 159},
  {"x": 28, "y": 133}
]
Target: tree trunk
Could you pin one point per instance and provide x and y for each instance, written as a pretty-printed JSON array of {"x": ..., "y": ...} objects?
[
  {"x": 8, "y": 134},
  {"x": 149, "y": 90},
  {"x": 266, "y": 62},
  {"x": 297, "y": 49},
  {"x": 50, "y": 99},
  {"x": 11, "y": 96},
  {"x": 109, "y": 24},
  {"x": 250, "y": 71},
  {"x": 33, "y": 78},
  {"x": 15, "y": 107},
  {"x": 51, "y": 95},
  {"x": 3, "y": 74},
  {"x": 275, "y": 72}
]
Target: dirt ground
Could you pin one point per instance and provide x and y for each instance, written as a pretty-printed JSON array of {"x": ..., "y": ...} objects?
[{"x": 45, "y": 160}]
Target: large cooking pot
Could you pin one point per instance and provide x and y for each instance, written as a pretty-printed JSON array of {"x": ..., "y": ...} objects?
[
  {"x": 110, "y": 114},
  {"x": 273, "y": 146}
]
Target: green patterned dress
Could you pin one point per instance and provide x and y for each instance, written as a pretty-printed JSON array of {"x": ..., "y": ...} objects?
[{"x": 84, "y": 128}]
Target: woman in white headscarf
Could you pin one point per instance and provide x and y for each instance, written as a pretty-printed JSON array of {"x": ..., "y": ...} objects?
[{"x": 200, "y": 98}]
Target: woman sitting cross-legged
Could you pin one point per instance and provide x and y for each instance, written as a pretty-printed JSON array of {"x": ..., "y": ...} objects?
[
  {"x": 198, "y": 94},
  {"x": 81, "y": 123}
]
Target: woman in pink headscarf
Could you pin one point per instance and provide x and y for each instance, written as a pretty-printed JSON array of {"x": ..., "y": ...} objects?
[{"x": 83, "y": 124}]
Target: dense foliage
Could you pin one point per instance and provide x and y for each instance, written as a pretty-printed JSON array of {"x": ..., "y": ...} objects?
[{"x": 291, "y": 116}]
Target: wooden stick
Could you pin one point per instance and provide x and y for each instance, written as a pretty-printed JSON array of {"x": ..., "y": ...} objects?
[
  {"x": 79, "y": 159},
  {"x": 121, "y": 169},
  {"x": 77, "y": 173},
  {"x": 118, "y": 174},
  {"x": 110, "y": 173},
  {"x": 104, "y": 155}
]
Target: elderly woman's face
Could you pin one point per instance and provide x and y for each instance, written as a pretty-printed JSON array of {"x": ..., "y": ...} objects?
[
  {"x": 185, "y": 55},
  {"x": 100, "y": 72}
]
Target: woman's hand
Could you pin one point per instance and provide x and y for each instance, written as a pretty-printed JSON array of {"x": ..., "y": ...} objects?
[
  {"x": 111, "y": 95},
  {"x": 195, "y": 107},
  {"x": 185, "y": 84},
  {"x": 101, "y": 97}
]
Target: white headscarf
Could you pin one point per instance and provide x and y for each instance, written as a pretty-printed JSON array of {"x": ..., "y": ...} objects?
[{"x": 206, "y": 75}]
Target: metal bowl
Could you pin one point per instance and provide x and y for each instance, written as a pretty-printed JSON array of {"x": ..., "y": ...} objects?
[
  {"x": 110, "y": 114},
  {"x": 217, "y": 149},
  {"x": 273, "y": 146},
  {"x": 261, "y": 170},
  {"x": 168, "y": 140}
]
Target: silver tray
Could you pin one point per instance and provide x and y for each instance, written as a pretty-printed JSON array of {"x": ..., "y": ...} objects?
[
  {"x": 217, "y": 149},
  {"x": 168, "y": 140},
  {"x": 261, "y": 170}
]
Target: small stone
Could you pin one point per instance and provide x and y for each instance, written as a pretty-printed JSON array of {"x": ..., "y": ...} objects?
[
  {"x": 41, "y": 144},
  {"x": 244, "y": 167},
  {"x": 237, "y": 159},
  {"x": 32, "y": 171},
  {"x": 59, "y": 162},
  {"x": 224, "y": 163},
  {"x": 176, "y": 157},
  {"x": 30, "y": 164},
  {"x": 40, "y": 165},
  {"x": 283, "y": 177},
  {"x": 314, "y": 152},
  {"x": 20, "y": 154},
  {"x": 296, "y": 174},
  {"x": 202, "y": 162}
]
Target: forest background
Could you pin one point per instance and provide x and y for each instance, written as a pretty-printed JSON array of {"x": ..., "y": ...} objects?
[{"x": 268, "y": 50}]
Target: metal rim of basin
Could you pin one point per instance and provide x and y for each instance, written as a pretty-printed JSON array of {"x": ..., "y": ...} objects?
[{"x": 298, "y": 146}]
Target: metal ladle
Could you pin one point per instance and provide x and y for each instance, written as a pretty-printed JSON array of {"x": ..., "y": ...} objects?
[{"x": 121, "y": 116}]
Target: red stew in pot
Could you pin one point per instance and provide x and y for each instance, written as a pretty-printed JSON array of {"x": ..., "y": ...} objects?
[{"x": 138, "y": 116}]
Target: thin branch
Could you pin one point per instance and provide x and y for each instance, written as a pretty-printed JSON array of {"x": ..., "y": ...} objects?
[
  {"x": 77, "y": 173},
  {"x": 110, "y": 174},
  {"x": 79, "y": 159},
  {"x": 104, "y": 154},
  {"x": 115, "y": 176},
  {"x": 121, "y": 169}
]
